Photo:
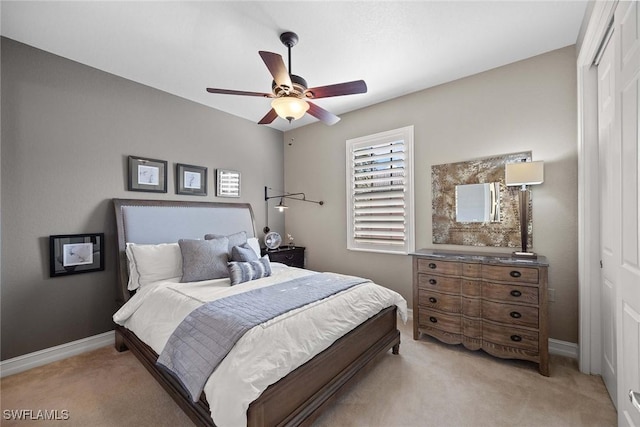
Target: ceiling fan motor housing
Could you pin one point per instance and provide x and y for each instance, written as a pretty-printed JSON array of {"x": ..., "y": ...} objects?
[{"x": 299, "y": 86}]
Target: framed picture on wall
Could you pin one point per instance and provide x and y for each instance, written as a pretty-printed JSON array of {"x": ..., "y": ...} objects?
[
  {"x": 191, "y": 180},
  {"x": 227, "y": 183},
  {"x": 75, "y": 253},
  {"x": 147, "y": 175}
]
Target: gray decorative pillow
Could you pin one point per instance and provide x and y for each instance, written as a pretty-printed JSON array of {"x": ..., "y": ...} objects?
[
  {"x": 235, "y": 239},
  {"x": 243, "y": 253},
  {"x": 204, "y": 259},
  {"x": 240, "y": 272}
]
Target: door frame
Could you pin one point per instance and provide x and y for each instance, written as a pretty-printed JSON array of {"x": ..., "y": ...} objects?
[{"x": 589, "y": 335}]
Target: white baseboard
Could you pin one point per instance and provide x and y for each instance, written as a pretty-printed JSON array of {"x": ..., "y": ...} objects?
[
  {"x": 53, "y": 354},
  {"x": 563, "y": 348}
]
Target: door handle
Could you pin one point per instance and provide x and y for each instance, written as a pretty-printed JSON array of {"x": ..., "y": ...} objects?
[{"x": 634, "y": 397}]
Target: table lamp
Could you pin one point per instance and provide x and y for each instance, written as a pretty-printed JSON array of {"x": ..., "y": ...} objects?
[{"x": 523, "y": 174}]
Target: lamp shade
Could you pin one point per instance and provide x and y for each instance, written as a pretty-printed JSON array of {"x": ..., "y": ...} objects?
[
  {"x": 289, "y": 107},
  {"x": 281, "y": 206},
  {"x": 524, "y": 173}
]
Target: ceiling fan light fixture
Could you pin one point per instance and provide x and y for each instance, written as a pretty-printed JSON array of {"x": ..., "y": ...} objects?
[{"x": 289, "y": 107}]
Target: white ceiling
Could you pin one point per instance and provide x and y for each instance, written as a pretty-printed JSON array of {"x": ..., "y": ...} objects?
[{"x": 182, "y": 47}]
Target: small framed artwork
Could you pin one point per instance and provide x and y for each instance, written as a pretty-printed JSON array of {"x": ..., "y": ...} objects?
[
  {"x": 75, "y": 253},
  {"x": 191, "y": 180},
  {"x": 147, "y": 175},
  {"x": 227, "y": 183}
]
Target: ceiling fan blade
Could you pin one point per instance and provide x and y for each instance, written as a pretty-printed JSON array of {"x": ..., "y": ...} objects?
[
  {"x": 238, "y": 92},
  {"x": 269, "y": 117},
  {"x": 348, "y": 88},
  {"x": 276, "y": 67},
  {"x": 322, "y": 114}
]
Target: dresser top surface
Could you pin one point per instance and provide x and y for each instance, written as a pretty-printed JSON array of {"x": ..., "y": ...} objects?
[{"x": 481, "y": 257}]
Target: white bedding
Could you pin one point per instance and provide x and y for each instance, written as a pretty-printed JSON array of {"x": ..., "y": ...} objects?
[{"x": 267, "y": 352}]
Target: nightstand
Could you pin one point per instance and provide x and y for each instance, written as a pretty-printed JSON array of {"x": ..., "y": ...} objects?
[{"x": 293, "y": 257}]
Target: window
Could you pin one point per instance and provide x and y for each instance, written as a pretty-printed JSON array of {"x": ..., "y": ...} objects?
[{"x": 380, "y": 192}]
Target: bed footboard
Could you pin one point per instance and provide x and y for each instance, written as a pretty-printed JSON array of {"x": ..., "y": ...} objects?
[{"x": 298, "y": 398}]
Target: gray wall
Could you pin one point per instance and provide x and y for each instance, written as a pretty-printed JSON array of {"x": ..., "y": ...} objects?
[
  {"x": 66, "y": 132},
  {"x": 528, "y": 105},
  {"x": 67, "y": 129}
]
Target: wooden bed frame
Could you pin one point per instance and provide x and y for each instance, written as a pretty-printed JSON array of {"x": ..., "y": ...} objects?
[{"x": 296, "y": 399}]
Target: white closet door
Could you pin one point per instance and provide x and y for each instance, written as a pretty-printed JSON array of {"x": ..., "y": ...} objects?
[
  {"x": 627, "y": 25},
  {"x": 609, "y": 227}
]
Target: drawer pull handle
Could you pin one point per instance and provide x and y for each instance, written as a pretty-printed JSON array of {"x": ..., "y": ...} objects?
[
  {"x": 289, "y": 257},
  {"x": 516, "y": 338},
  {"x": 515, "y": 293},
  {"x": 433, "y": 300},
  {"x": 515, "y": 273},
  {"x": 432, "y": 265},
  {"x": 433, "y": 281},
  {"x": 433, "y": 319},
  {"x": 515, "y": 315}
]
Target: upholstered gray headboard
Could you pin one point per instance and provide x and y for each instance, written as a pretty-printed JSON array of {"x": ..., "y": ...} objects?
[{"x": 160, "y": 221}]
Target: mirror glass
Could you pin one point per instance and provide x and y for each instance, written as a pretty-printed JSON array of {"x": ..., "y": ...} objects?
[
  {"x": 462, "y": 211},
  {"x": 478, "y": 202}
]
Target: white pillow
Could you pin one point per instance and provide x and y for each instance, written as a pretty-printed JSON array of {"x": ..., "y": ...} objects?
[
  {"x": 151, "y": 263},
  {"x": 255, "y": 245}
]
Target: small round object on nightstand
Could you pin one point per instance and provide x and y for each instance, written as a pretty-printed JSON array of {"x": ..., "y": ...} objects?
[{"x": 272, "y": 240}]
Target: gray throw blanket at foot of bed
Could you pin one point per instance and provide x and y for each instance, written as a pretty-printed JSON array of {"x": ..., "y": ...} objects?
[{"x": 209, "y": 332}]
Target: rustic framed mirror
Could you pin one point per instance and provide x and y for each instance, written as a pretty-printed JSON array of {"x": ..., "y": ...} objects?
[{"x": 472, "y": 206}]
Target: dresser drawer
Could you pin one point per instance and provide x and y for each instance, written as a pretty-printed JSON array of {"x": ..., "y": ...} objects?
[
  {"x": 471, "y": 288},
  {"x": 510, "y": 337},
  {"x": 439, "y": 283},
  {"x": 510, "y": 293},
  {"x": 442, "y": 321},
  {"x": 471, "y": 270},
  {"x": 472, "y": 307},
  {"x": 439, "y": 267},
  {"x": 472, "y": 328},
  {"x": 510, "y": 273},
  {"x": 510, "y": 313},
  {"x": 438, "y": 301}
]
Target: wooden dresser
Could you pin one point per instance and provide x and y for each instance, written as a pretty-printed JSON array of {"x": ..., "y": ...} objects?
[{"x": 496, "y": 303}]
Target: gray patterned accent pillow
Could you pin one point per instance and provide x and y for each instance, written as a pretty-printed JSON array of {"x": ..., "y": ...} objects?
[
  {"x": 243, "y": 253},
  {"x": 240, "y": 272},
  {"x": 204, "y": 259},
  {"x": 235, "y": 239}
]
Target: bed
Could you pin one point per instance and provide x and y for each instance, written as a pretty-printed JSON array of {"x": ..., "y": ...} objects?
[{"x": 298, "y": 397}]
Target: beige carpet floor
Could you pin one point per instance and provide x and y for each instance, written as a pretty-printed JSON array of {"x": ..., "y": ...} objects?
[{"x": 428, "y": 384}]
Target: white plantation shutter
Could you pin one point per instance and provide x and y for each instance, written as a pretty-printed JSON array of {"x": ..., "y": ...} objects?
[{"x": 380, "y": 192}]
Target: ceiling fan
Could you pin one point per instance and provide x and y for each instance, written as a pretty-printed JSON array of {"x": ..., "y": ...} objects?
[{"x": 290, "y": 92}]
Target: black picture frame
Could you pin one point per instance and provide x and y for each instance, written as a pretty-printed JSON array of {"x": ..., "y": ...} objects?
[
  {"x": 191, "y": 180},
  {"x": 147, "y": 175},
  {"x": 75, "y": 253}
]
